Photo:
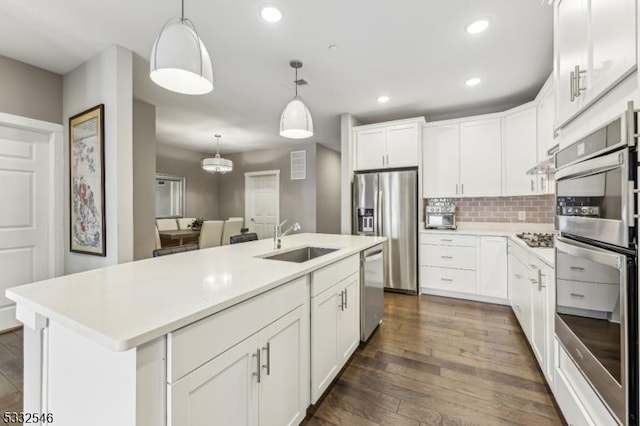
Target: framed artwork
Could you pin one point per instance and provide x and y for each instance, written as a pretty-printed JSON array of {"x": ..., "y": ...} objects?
[{"x": 86, "y": 163}]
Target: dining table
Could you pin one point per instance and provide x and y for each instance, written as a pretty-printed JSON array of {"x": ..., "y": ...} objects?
[{"x": 180, "y": 235}]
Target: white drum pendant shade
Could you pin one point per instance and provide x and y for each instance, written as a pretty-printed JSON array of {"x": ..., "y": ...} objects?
[
  {"x": 217, "y": 164},
  {"x": 296, "y": 122},
  {"x": 179, "y": 60}
]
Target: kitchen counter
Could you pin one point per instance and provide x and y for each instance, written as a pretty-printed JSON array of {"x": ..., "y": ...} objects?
[
  {"x": 124, "y": 306},
  {"x": 508, "y": 230}
]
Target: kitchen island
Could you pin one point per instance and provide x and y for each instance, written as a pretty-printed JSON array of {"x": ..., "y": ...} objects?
[{"x": 143, "y": 343}]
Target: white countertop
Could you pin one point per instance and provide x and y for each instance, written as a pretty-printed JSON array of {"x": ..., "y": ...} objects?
[
  {"x": 126, "y": 305},
  {"x": 509, "y": 230}
]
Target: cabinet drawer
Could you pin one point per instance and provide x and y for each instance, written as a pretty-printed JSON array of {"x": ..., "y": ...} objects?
[
  {"x": 586, "y": 295},
  {"x": 578, "y": 269},
  {"x": 448, "y": 279},
  {"x": 572, "y": 410},
  {"x": 329, "y": 276},
  {"x": 448, "y": 257},
  {"x": 197, "y": 343},
  {"x": 448, "y": 239}
]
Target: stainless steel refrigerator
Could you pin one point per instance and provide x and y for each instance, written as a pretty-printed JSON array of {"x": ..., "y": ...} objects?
[{"x": 386, "y": 204}]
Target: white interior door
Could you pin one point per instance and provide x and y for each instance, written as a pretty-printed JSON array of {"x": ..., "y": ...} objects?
[
  {"x": 262, "y": 202},
  {"x": 24, "y": 213}
]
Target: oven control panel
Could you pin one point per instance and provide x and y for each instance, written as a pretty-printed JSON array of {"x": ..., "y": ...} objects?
[{"x": 587, "y": 211}]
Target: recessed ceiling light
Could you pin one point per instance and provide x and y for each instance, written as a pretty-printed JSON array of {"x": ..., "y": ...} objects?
[
  {"x": 474, "y": 81},
  {"x": 478, "y": 26},
  {"x": 383, "y": 99},
  {"x": 333, "y": 47},
  {"x": 271, "y": 14}
]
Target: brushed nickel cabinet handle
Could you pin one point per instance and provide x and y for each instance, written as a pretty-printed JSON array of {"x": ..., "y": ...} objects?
[
  {"x": 446, "y": 279},
  {"x": 257, "y": 373},
  {"x": 346, "y": 298},
  {"x": 576, "y": 268},
  {"x": 577, "y": 295},
  {"x": 446, "y": 257},
  {"x": 267, "y": 366},
  {"x": 571, "y": 86}
]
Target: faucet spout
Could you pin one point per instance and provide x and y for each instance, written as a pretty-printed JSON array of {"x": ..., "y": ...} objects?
[{"x": 278, "y": 234}]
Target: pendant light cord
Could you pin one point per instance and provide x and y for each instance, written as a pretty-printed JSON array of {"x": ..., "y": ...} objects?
[
  {"x": 295, "y": 82},
  {"x": 182, "y": 15}
]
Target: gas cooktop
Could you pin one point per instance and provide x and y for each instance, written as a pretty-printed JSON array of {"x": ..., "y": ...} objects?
[{"x": 537, "y": 239}]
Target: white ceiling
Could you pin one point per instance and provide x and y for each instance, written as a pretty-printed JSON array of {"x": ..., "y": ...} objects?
[{"x": 415, "y": 51}]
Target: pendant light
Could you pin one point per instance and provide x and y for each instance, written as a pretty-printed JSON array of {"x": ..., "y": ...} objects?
[
  {"x": 295, "y": 122},
  {"x": 217, "y": 164},
  {"x": 179, "y": 60}
]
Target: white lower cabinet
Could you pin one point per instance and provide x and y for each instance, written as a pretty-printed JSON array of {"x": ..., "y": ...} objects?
[
  {"x": 464, "y": 266},
  {"x": 258, "y": 381},
  {"x": 335, "y": 332}
]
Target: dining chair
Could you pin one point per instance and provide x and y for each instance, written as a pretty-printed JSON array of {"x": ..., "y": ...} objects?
[
  {"x": 166, "y": 224},
  {"x": 243, "y": 238},
  {"x": 231, "y": 227},
  {"x": 173, "y": 250},
  {"x": 158, "y": 242},
  {"x": 185, "y": 222},
  {"x": 236, "y": 218},
  {"x": 210, "y": 233}
]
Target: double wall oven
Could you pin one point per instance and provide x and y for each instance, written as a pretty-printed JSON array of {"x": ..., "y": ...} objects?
[{"x": 597, "y": 262}]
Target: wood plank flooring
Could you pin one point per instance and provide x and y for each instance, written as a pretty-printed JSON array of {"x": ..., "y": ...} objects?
[
  {"x": 433, "y": 361},
  {"x": 440, "y": 361}
]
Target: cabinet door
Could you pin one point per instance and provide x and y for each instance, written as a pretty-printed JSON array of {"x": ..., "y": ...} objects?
[
  {"x": 402, "y": 145},
  {"x": 440, "y": 161},
  {"x": 480, "y": 158},
  {"x": 571, "y": 37},
  {"x": 520, "y": 293},
  {"x": 370, "y": 148},
  {"x": 348, "y": 320},
  {"x": 281, "y": 389},
  {"x": 545, "y": 116},
  {"x": 612, "y": 28},
  {"x": 324, "y": 340},
  {"x": 224, "y": 391},
  {"x": 520, "y": 152},
  {"x": 538, "y": 316},
  {"x": 493, "y": 267}
]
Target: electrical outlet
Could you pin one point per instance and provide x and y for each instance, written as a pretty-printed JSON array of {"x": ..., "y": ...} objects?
[{"x": 522, "y": 215}]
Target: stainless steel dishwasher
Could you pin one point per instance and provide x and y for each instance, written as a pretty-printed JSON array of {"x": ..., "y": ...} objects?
[{"x": 372, "y": 266}]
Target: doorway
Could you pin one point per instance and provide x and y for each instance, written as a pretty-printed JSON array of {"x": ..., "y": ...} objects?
[
  {"x": 31, "y": 206},
  {"x": 262, "y": 202}
]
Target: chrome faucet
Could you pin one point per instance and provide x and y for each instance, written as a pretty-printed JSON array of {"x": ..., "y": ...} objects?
[{"x": 278, "y": 234}]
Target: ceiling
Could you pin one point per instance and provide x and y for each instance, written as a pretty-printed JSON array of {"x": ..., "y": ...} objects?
[{"x": 415, "y": 51}]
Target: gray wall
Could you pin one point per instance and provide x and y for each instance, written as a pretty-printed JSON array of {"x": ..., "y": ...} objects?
[
  {"x": 202, "y": 187},
  {"x": 328, "y": 180},
  {"x": 105, "y": 79},
  {"x": 29, "y": 91},
  {"x": 297, "y": 197},
  {"x": 144, "y": 179}
]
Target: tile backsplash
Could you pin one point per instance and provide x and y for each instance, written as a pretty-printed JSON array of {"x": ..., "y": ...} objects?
[{"x": 537, "y": 208}]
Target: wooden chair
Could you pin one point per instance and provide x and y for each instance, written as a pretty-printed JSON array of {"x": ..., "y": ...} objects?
[
  {"x": 185, "y": 222},
  {"x": 176, "y": 249},
  {"x": 166, "y": 224},
  {"x": 243, "y": 238},
  {"x": 210, "y": 233},
  {"x": 158, "y": 242},
  {"x": 231, "y": 227}
]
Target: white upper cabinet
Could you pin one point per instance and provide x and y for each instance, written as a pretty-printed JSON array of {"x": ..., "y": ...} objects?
[
  {"x": 388, "y": 145},
  {"x": 440, "y": 164},
  {"x": 545, "y": 115},
  {"x": 480, "y": 158},
  {"x": 595, "y": 48},
  {"x": 370, "y": 148},
  {"x": 520, "y": 149}
]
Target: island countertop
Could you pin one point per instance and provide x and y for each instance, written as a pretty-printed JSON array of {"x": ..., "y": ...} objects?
[{"x": 124, "y": 306}]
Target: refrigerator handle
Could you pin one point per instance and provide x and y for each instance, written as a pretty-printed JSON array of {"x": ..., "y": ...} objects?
[
  {"x": 380, "y": 218},
  {"x": 376, "y": 214}
]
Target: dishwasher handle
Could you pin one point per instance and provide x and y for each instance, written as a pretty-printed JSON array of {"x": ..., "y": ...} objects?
[{"x": 370, "y": 257}]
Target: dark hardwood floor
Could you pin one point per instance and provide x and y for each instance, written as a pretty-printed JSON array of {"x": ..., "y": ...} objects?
[
  {"x": 11, "y": 367},
  {"x": 433, "y": 361},
  {"x": 440, "y": 361}
]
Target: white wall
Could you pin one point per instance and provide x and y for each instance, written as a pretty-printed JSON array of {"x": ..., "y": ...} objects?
[
  {"x": 144, "y": 179},
  {"x": 105, "y": 79},
  {"x": 327, "y": 190},
  {"x": 347, "y": 122}
]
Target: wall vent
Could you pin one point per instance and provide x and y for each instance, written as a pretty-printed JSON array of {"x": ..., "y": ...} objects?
[{"x": 298, "y": 165}]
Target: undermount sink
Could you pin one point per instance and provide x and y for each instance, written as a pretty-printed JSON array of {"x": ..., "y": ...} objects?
[{"x": 302, "y": 254}]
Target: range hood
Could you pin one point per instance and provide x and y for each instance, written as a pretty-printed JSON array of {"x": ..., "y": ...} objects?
[{"x": 546, "y": 166}]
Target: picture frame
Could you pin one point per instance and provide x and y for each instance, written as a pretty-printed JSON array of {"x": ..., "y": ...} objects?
[{"x": 86, "y": 183}]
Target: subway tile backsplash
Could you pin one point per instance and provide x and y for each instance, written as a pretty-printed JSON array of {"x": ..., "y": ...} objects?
[{"x": 537, "y": 208}]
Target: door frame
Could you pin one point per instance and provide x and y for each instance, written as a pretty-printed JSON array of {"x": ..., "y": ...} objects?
[
  {"x": 55, "y": 188},
  {"x": 247, "y": 181}
]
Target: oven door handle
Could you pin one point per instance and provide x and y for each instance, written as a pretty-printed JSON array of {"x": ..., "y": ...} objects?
[
  {"x": 595, "y": 165},
  {"x": 591, "y": 253}
]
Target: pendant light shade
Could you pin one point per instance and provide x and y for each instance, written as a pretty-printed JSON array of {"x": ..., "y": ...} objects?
[
  {"x": 179, "y": 60},
  {"x": 296, "y": 122},
  {"x": 217, "y": 164}
]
